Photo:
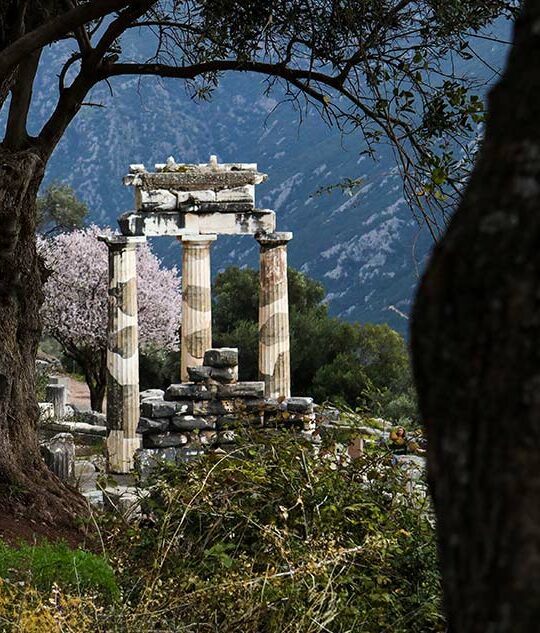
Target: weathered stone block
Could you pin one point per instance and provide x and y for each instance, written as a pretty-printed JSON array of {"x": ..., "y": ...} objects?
[
  {"x": 191, "y": 423},
  {"x": 300, "y": 405},
  {"x": 221, "y": 357},
  {"x": 159, "y": 199},
  {"x": 213, "y": 407},
  {"x": 251, "y": 405},
  {"x": 187, "y": 390},
  {"x": 253, "y": 389},
  {"x": 240, "y": 223},
  {"x": 59, "y": 455},
  {"x": 78, "y": 428},
  {"x": 57, "y": 394},
  {"x": 192, "y": 177},
  {"x": 165, "y": 440},
  {"x": 155, "y": 223},
  {"x": 204, "y": 195},
  {"x": 237, "y": 194},
  {"x": 94, "y": 498},
  {"x": 59, "y": 380},
  {"x": 208, "y": 208},
  {"x": 160, "y": 409},
  {"x": 126, "y": 500},
  {"x": 85, "y": 474},
  {"x": 156, "y": 394},
  {"x": 146, "y": 460},
  {"x": 199, "y": 373},
  {"x": 92, "y": 417},
  {"x": 273, "y": 405},
  {"x": 46, "y": 411},
  {"x": 224, "y": 374},
  {"x": 188, "y": 453},
  {"x": 233, "y": 421},
  {"x": 148, "y": 425}
]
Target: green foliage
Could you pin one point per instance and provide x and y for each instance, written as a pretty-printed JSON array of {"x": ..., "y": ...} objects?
[
  {"x": 43, "y": 565},
  {"x": 42, "y": 380},
  {"x": 245, "y": 336},
  {"x": 275, "y": 538},
  {"x": 158, "y": 368},
  {"x": 59, "y": 210},
  {"x": 361, "y": 366}
]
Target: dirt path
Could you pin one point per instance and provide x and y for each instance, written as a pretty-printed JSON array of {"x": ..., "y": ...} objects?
[{"x": 78, "y": 393}]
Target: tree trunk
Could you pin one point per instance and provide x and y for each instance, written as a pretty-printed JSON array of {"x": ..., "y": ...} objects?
[
  {"x": 26, "y": 485},
  {"x": 476, "y": 352},
  {"x": 94, "y": 366},
  {"x": 97, "y": 394}
]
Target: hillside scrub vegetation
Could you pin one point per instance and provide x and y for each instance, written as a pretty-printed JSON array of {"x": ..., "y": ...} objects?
[{"x": 274, "y": 537}]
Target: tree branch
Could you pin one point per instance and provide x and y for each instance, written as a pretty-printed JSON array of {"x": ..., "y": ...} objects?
[
  {"x": 68, "y": 105},
  {"x": 21, "y": 96},
  {"x": 54, "y": 29},
  {"x": 118, "y": 26}
]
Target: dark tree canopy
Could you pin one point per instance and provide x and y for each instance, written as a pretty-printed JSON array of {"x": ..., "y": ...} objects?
[{"x": 360, "y": 366}]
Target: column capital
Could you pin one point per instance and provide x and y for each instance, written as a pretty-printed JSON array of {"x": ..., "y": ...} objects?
[
  {"x": 197, "y": 239},
  {"x": 274, "y": 239},
  {"x": 121, "y": 241}
]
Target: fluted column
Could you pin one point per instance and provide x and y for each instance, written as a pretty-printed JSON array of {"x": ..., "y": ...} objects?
[
  {"x": 196, "y": 301},
  {"x": 274, "y": 344},
  {"x": 122, "y": 354}
]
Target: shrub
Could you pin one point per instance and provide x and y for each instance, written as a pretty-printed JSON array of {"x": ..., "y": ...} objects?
[
  {"x": 23, "y": 609},
  {"x": 274, "y": 538}
]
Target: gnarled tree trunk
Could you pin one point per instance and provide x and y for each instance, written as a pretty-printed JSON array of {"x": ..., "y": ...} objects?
[
  {"x": 96, "y": 378},
  {"x": 26, "y": 484},
  {"x": 476, "y": 348}
]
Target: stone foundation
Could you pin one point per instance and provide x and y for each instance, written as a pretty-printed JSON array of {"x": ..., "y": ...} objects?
[{"x": 204, "y": 415}]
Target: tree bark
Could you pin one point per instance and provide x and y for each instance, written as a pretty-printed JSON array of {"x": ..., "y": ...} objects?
[
  {"x": 26, "y": 485},
  {"x": 96, "y": 379},
  {"x": 476, "y": 353}
]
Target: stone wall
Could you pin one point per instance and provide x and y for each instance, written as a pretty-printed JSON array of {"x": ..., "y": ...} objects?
[{"x": 204, "y": 414}]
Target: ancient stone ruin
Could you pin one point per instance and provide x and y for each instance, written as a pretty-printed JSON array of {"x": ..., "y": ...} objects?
[
  {"x": 195, "y": 204},
  {"x": 202, "y": 415}
]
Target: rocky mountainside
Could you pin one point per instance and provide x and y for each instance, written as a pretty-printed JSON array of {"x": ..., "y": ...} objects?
[{"x": 366, "y": 248}]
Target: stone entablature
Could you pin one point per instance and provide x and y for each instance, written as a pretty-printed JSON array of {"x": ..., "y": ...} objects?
[{"x": 184, "y": 199}]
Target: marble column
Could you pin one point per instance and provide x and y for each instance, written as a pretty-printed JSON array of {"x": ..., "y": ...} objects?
[
  {"x": 196, "y": 301},
  {"x": 122, "y": 354},
  {"x": 274, "y": 344}
]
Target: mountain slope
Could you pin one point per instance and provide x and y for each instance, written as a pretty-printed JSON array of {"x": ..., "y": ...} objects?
[{"x": 366, "y": 248}]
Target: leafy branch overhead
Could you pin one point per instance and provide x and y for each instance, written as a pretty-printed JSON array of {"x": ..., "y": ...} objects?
[{"x": 382, "y": 68}]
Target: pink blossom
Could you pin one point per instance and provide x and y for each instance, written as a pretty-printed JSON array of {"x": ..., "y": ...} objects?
[{"x": 75, "y": 307}]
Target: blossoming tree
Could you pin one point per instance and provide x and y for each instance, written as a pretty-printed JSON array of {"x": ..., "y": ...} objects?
[{"x": 75, "y": 307}]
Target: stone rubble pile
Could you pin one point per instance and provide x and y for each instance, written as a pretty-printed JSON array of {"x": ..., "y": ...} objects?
[
  {"x": 202, "y": 415},
  {"x": 57, "y": 416}
]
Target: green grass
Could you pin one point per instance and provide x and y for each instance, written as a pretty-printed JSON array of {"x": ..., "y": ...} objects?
[{"x": 50, "y": 563}]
